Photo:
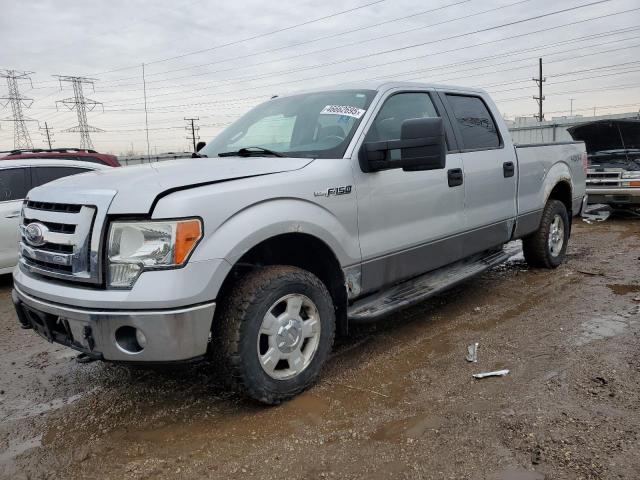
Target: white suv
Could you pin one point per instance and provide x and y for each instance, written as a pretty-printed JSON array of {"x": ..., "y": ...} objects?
[{"x": 17, "y": 177}]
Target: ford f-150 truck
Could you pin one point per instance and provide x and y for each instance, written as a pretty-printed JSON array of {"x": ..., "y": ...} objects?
[
  {"x": 309, "y": 212},
  {"x": 613, "y": 147}
]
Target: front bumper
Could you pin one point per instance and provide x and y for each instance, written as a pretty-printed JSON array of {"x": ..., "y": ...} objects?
[
  {"x": 171, "y": 335},
  {"x": 618, "y": 196}
]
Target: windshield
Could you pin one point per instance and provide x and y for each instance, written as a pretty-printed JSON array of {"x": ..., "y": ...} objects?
[{"x": 315, "y": 125}]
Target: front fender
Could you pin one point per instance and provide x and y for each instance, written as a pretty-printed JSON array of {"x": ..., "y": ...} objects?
[{"x": 261, "y": 221}]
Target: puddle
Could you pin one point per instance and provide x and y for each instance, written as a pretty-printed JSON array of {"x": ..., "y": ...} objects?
[
  {"x": 621, "y": 289},
  {"x": 405, "y": 428},
  {"x": 26, "y": 409},
  {"x": 604, "y": 326},
  {"x": 7, "y": 458}
]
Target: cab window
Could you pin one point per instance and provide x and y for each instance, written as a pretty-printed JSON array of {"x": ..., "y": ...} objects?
[
  {"x": 42, "y": 175},
  {"x": 14, "y": 184},
  {"x": 397, "y": 109},
  {"x": 475, "y": 123}
]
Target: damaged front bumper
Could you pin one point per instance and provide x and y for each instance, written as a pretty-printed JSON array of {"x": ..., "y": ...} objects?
[{"x": 152, "y": 336}]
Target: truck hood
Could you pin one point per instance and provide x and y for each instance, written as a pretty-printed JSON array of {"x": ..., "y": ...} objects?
[
  {"x": 603, "y": 135},
  {"x": 136, "y": 188}
]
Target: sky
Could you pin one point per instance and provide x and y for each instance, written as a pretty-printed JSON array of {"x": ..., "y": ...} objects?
[{"x": 215, "y": 60}]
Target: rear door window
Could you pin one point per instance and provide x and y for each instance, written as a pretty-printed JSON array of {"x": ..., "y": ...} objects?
[
  {"x": 14, "y": 184},
  {"x": 42, "y": 175},
  {"x": 474, "y": 122}
]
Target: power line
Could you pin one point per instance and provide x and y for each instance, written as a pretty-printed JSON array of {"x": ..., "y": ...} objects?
[
  {"x": 21, "y": 137},
  {"x": 80, "y": 104},
  {"x": 254, "y": 37},
  {"x": 289, "y": 71},
  {"x": 406, "y": 47}
]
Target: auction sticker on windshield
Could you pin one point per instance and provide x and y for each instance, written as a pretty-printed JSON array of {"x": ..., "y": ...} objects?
[{"x": 354, "y": 112}]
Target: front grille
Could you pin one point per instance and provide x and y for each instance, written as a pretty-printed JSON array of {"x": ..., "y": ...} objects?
[
  {"x": 54, "y": 226},
  {"x": 54, "y": 207},
  {"x": 604, "y": 179},
  {"x": 59, "y": 244}
]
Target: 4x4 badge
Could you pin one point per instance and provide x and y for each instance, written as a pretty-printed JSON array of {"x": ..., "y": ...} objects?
[{"x": 333, "y": 191}]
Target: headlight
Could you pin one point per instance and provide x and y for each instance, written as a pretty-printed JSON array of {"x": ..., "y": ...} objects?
[
  {"x": 630, "y": 174},
  {"x": 136, "y": 246}
]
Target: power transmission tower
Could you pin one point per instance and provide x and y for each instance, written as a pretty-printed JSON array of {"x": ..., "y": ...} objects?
[
  {"x": 21, "y": 137},
  {"x": 194, "y": 137},
  {"x": 80, "y": 104},
  {"x": 540, "y": 98},
  {"x": 47, "y": 134}
]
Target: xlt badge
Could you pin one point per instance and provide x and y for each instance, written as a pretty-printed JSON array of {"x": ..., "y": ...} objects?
[{"x": 333, "y": 191}]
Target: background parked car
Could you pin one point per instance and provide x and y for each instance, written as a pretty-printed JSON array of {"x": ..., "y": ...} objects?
[
  {"x": 75, "y": 154},
  {"x": 17, "y": 177}
]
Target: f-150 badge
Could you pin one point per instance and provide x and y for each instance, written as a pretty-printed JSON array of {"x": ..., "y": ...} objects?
[{"x": 333, "y": 191}]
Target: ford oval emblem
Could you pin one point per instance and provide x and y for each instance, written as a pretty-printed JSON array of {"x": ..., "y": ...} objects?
[{"x": 34, "y": 234}]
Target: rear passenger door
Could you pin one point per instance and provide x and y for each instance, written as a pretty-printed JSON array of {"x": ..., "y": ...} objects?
[
  {"x": 14, "y": 185},
  {"x": 489, "y": 172}
]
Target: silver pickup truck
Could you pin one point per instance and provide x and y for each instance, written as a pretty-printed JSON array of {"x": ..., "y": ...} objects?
[{"x": 309, "y": 212}]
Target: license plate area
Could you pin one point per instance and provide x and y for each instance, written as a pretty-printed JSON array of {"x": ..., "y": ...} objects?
[{"x": 57, "y": 329}]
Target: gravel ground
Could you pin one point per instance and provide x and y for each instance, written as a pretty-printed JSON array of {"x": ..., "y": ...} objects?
[{"x": 397, "y": 399}]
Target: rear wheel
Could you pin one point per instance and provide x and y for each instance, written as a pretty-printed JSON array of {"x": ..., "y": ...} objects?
[
  {"x": 547, "y": 246},
  {"x": 276, "y": 331}
]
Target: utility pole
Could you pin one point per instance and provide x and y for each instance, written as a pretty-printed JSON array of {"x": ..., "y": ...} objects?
[
  {"x": 80, "y": 104},
  {"x": 47, "y": 133},
  {"x": 146, "y": 117},
  {"x": 193, "y": 137},
  {"x": 571, "y": 112},
  {"x": 21, "y": 137},
  {"x": 540, "y": 98}
]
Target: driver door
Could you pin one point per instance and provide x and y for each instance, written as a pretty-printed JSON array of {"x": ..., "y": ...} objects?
[{"x": 408, "y": 220}]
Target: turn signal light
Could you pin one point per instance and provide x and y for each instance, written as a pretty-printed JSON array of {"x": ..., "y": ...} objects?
[{"x": 187, "y": 235}]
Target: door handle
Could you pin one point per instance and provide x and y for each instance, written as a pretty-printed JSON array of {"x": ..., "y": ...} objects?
[
  {"x": 455, "y": 177},
  {"x": 508, "y": 169},
  {"x": 13, "y": 215}
]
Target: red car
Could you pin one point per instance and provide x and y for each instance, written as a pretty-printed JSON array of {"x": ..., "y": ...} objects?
[{"x": 76, "y": 154}]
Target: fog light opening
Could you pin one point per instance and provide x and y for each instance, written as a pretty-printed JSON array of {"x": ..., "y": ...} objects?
[{"x": 130, "y": 340}]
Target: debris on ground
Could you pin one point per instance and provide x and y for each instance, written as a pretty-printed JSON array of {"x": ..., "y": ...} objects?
[
  {"x": 598, "y": 212},
  {"x": 497, "y": 373},
  {"x": 472, "y": 353}
]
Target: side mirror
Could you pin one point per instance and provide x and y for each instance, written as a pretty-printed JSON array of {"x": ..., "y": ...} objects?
[{"x": 421, "y": 147}]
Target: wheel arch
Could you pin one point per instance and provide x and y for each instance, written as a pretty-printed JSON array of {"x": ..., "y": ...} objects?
[{"x": 301, "y": 250}]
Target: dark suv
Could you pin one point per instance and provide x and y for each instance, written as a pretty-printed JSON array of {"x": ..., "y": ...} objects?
[{"x": 76, "y": 154}]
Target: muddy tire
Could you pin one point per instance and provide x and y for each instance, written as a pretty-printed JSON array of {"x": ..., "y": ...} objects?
[
  {"x": 276, "y": 330},
  {"x": 547, "y": 246}
]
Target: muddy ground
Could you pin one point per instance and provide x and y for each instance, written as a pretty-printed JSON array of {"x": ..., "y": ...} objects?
[{"x": 397, "y": 399}]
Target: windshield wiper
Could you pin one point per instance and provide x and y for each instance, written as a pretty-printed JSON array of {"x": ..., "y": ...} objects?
[{"x": 249, "y": 151}]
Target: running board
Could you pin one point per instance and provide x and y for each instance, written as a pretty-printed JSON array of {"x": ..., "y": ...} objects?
[{"x": 420, "y": 288}]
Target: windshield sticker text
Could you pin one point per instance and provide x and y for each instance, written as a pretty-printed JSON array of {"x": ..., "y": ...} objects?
[{"x": 354, "y": 112}]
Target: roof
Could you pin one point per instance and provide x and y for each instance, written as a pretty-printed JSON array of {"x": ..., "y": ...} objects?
[
  {"x": 39, "y": 162},
  {"x": 386, "y": 85}
]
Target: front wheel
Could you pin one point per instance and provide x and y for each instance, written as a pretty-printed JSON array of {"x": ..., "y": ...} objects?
[
  {"x": 547, "y": 246},
  {"x": 276, "y": 331}
]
